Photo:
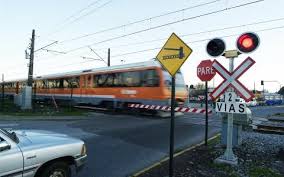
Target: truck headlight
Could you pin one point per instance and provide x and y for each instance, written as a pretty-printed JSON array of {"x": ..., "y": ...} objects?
[{"x": 84, "y": 150}]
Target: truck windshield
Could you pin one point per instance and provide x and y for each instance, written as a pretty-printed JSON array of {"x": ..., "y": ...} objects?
[{"x": 11, "y": 135}]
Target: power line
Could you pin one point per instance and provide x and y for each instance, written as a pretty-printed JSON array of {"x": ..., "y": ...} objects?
[
  {"x": 197, "y": 41},
  {"x": 177, "y": 22},
  {"x": 63, "y": 23},
  {"x": 81, "y": 10},
  {"x": 197, "y": 33},
  {"x": 190, "y": 34},
  {"x": 141, "y": 51},
  {"x": 166, "y": 24},
  {"x": 89, "y": 13},
  {"x": 139, "y": 21}
]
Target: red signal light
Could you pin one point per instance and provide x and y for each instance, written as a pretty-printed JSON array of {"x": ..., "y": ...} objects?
[{"x": 247, "y": 42}]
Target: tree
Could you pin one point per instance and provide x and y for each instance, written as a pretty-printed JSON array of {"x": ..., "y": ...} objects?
[
  {"x": 200, "y": 86},
  {"x": 281, "y": 91}
]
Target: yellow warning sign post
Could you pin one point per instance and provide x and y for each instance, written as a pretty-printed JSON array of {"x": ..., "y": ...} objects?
[{"x": 172, "y": 56}]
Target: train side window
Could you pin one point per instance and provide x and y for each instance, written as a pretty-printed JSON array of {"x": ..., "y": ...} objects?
[
  {"x": 118, "y": 80},
  {"x": 95, "y": 81},
  {"x": 65, "y": 83},
  {"x": 45, "y": 84},
  {"x": 61, "y": 83},
  {"x": 102, "y": 80},
  {"x": 150, "y": 78},
  {"x": 76, "y": 82},
  {"x": 50, "y": 83},
  {"x": 132, "y": 79},
  {"x": 110, "y": 80}
]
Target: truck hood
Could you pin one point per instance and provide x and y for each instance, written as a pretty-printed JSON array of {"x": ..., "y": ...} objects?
[{"x": 41, "y": 138}]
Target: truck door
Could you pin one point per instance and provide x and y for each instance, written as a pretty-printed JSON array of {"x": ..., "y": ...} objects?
[{"x": 11, "y": 158}]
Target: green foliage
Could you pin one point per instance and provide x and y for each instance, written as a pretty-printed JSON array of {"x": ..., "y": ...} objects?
[
  {"x": 262, "y": 172},
  {"x": 281, "y": 91},
  {"x": 9, "y": 108}
]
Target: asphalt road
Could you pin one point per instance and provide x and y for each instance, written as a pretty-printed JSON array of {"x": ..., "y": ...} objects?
[
  {"x": 264, "y": 111},
  {"x": 119, "y": 145}
]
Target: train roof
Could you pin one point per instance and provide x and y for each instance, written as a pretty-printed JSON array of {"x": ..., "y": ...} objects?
[
  {"x": 93, "y": 70},
  {"x": 102, "y": 69}
]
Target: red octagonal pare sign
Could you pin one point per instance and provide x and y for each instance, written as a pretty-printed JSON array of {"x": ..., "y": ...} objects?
[{"x": 205, "y": 71}]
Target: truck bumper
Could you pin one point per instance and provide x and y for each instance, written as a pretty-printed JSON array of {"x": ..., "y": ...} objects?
[{"x": 80, "y": 162}]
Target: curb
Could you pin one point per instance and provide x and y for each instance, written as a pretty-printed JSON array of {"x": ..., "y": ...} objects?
[
  {"x": 44, "y": 118},
  {"x": 175, "y": 155}
]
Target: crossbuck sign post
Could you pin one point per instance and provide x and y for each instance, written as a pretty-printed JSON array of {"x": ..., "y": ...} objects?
[
  {"x": 232, "y": 85},
  {"x": 246, "y": 43}
]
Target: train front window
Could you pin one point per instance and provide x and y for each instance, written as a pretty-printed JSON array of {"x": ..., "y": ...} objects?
[{"x": 179, "y": 80}]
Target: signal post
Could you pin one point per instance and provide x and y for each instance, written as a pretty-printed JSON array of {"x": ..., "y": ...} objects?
[{"x": 230, "y": 87}]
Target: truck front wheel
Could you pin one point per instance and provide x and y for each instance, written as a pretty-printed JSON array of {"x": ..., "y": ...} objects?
[{"x": 57, "y": 169}]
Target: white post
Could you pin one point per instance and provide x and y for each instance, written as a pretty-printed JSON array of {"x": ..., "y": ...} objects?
[{"x": 229, "y": 156}]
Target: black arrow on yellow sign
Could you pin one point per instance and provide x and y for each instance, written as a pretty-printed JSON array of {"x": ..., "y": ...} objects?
[{"x": 180, "y": 54}]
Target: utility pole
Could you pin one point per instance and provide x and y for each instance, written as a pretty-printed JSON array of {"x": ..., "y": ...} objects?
[
  {"x": 108, "y": 57},
  {"x": 31, "y": 65},
  {"x": 2, "y": 91}
]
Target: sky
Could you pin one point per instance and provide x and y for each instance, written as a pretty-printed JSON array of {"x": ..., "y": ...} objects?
[{"x": 66, "y": 21}]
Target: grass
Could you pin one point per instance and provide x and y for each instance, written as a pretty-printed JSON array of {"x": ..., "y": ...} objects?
[
  {"x": 262, "y": 171},
  {"x": 10, "y": 109},
  {"x": 226, "y": 168},
  {"x": 279, "y": 114}
]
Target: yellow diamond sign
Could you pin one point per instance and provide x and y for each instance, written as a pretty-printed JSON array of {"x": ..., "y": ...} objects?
[{"x": 173, "y": 54}]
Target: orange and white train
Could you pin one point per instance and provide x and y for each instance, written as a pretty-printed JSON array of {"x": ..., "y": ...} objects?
[{"x": 115, "y": 86}]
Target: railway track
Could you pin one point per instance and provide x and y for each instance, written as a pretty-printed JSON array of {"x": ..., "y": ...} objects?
[{"x": 273, "y": 125}]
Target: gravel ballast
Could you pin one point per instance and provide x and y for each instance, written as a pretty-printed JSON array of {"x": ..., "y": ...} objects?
[{"x": 260, "y": 155}]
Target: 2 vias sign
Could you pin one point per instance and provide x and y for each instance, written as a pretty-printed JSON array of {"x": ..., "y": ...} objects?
[{"x": 230, "y": 105}]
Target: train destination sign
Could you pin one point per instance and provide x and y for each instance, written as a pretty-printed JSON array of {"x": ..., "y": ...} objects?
[{"x": 173, "y": 54}]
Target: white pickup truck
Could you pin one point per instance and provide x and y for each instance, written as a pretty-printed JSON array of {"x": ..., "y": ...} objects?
[{"x": 39, "y": 154}]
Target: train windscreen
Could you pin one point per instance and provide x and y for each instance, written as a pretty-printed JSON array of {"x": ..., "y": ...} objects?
[{"x": 180, "y": 85}]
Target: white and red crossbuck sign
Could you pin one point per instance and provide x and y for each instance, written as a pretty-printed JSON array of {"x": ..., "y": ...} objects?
[{"x": 231, "y": 79}]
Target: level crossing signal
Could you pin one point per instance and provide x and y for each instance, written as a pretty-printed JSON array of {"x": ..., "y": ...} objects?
[
  {"x": 247, "y": 42},
  {"x": 215, "y": 47}
]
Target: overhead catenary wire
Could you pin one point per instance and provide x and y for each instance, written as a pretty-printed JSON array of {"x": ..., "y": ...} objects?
[
  {"x": 138, "y": 21},
  {"x": 66, "y": 20},
  {"x": 196, "y": 33},
  {"x": 151, "y": 49},
  {"x": 184, "y": 35},
  {"x": 89, "y": 13},
  {"x": 184, "y": 19},
  {"x": 166, "y": 24}
]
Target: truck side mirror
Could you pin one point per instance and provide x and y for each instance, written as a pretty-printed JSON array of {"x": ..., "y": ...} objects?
[{"x": 4, "y": 146}]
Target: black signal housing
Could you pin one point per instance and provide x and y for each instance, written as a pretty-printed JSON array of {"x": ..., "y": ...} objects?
[{"x": 215, "y": 47}]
